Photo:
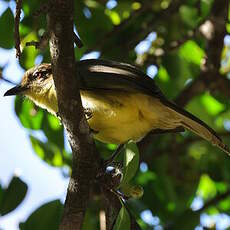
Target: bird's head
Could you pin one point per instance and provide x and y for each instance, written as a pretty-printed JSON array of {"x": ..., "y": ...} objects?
[
  {"x": 38, "y": 85},
  {"x": 35, "y": 81}
]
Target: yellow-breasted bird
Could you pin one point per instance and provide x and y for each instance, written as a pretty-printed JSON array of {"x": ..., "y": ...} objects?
[{"x": 121, "y": 103}]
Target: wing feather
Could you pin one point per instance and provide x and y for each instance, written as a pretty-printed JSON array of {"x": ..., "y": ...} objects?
[{"x": 101, "y": 74}]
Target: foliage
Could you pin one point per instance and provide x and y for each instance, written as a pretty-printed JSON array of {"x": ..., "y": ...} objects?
[
  {"x": 123, "y": 220},
  {"x": 51, "y": 219},
  {"x": 174, "y": 168},
  {"x": 9, "y": 200}
]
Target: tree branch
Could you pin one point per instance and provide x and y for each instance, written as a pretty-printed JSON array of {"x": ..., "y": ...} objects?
[
  {"x": 85, "y": 157},
  {"x": 16, "y": 28}
]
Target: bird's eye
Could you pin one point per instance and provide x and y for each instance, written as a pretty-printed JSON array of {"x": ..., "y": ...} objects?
[
  {"x": 45, "y": 74},
  {"x": 36, "y": 74}
]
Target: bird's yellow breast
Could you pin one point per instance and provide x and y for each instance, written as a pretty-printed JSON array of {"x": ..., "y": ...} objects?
[
  {"x": 116, "y": 116},
  {"x": 119, "y": 116}
]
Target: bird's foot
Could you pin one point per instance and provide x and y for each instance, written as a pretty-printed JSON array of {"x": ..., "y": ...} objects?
[{"x": 110, "y": 160}]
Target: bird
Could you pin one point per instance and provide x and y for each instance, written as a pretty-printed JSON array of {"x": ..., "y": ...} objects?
[{"x": 120, "y": 102}]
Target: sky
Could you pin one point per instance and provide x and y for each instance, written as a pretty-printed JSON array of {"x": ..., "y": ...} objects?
[
  {"x": 45, "y": 183},
  {"x": 18, "y": 158}
]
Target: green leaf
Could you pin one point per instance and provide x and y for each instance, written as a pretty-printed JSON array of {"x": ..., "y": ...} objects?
[
  {"x": 29, "y": 116},
  {"x": 53, "y": 130},
  {"x": 91, "y": 220},
  {"x": 134, "y": 191},
  {"x": 197, "y": 108},
  {"x": 123, "y": 220},
  {"x": 48, "y": 152},
  {"x": 205, "y": 7},
  {"x": 46, "y": 217},
  {"x": 13, "y": 195},
  {"x": 29, "y": 53},
  {"x": 163, "y": 74},
  {"x": 131, "y": 162},
  {"x": 224, "y": 205},
  {"x": 180, "y": 70},
  {"x": 197, "y": 150},
  {"x": 89, "y": 27},
  {"x": 146, "y": 177},
  {"x": 114, "y": 16},
  {"x": 192, "y": 52},
  {"x": 228, "y": 27},
  {"x": 189, "y": 15},
  {"x": 212, "y": 106},
  {"x": 7, "y": 29},
  {"x": 206, "y": 188}
]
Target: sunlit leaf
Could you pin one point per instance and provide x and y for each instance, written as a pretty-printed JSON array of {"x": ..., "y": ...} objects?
[
  {"x": 199, "y": 109},
  {"x": 48, "y": 152},
  {"x": 29, "y": 53},
  {"x": 197, "y": 150},
  {"x": 192, "y": 52},
  {"x": 131, "y": 162},
  {"x": 206, "y": 188},
  {"x": 162, "y": 74},
  {"x": 211, "y": 104},
  {"x": 114, "y": 16},
  {"x": 53, "y": 130},
  {"x": 29, "y": 116},
  {"x": 136, "y": 5}
]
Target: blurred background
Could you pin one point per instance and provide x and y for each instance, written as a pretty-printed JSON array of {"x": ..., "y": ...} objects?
[{"x": 185, "y": 47}]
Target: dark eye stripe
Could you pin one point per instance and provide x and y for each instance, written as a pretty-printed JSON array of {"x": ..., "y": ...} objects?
[{"x": 42, "y": 73}]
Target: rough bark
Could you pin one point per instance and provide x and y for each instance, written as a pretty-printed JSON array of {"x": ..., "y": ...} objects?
[{"x": 85, "y": 157}]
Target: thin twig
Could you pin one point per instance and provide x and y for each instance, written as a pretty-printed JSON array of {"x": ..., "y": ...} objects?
[
  {"x": 6, "y": 80},
  {"x": 42, "y": 43},
  {"x": 16, "y": 28}
]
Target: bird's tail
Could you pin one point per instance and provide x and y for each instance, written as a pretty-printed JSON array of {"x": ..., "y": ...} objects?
[{"x": 192, "y": 123}]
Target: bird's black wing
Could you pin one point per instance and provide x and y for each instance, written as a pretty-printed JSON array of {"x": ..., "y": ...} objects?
[{"x": 102, "y": 74}]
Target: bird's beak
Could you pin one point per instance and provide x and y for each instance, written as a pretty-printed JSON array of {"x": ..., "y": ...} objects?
[{"x": 15, "y": 90}]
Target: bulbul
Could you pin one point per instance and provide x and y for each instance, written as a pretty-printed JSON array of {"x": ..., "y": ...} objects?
[{"x": 121, "y": 103}]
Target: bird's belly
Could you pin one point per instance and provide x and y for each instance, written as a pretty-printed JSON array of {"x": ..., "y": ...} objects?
[{"x": 117, "y": 116}]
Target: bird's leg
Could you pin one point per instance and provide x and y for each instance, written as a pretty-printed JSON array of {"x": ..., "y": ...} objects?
[{"x": 114, "y": 155}]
